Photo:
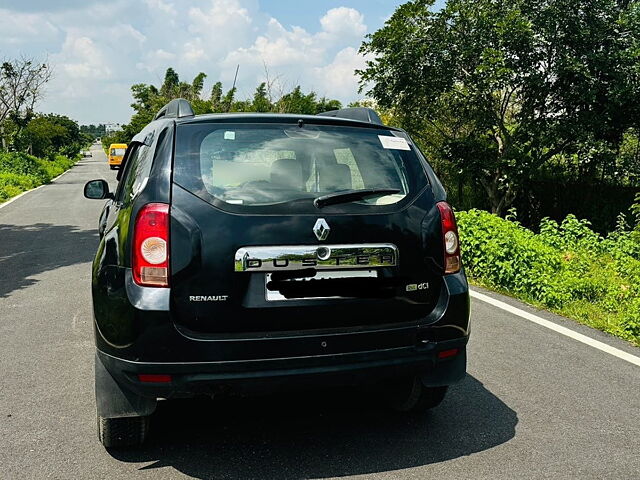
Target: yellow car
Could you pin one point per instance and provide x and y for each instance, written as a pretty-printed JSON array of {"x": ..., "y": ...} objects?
[{"x": 116, "y": 152}]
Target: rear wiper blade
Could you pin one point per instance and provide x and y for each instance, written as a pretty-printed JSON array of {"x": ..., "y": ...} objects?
[{"x": 352, "y": 195}]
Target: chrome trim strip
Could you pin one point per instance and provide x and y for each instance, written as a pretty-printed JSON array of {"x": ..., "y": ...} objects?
[{"x": 318, "y": 257}]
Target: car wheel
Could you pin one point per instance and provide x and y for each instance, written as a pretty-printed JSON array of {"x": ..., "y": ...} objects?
[
  {"x": 123, "y": 431},
  {"x": 410, "y": 395},
  {"x": 112, "y": 167}
]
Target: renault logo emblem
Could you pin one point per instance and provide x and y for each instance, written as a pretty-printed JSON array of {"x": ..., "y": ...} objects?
[{"x": 321, "y": 229}]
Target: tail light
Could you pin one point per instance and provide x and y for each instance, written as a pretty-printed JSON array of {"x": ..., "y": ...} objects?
[
  {"x": 450, "y": 241},
  {"x": 154, "y": 378},
  {"x": 150, "y": 260}
]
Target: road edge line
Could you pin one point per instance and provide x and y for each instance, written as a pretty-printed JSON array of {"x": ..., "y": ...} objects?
[
  {"x": 11, "y": 200},
  {"x": 557, "y": 328}
]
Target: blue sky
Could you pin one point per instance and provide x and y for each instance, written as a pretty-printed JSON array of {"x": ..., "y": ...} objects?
[{"x": 99, "y": 48}]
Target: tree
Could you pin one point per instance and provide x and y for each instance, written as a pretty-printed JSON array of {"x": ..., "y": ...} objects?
[
  {"x": 21, "y": 84},
  {"x": 326, "y": 105},
  {"x": 94, "y": 131},
  {"x": 170, "y": 84},
  {"x": 51, "y": 134},
  {"x": 227, "y": 101},
  {"x": 148, "y": 99},
  {"x": 216, "y": 97},
  {"x": 261, "y": 101},
  {"x": 502, "y": 88},
  {"x": 298, "y": 102}
]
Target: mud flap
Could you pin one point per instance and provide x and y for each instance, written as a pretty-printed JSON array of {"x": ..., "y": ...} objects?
[
  {"x": 114, "y": 401},
  {"x": 447, "y": 372}
]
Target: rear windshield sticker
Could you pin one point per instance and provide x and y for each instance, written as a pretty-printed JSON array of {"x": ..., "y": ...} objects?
[
  {"x": 229, "y": 135},
  {"x": 394, "y": 143}
]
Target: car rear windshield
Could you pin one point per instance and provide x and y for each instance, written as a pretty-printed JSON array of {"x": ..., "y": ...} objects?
[
  {"x": 117, "y": 152},
  {"x": 282, "y": 167}
]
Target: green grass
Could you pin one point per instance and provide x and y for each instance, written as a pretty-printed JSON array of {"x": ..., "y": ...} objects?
[
  {"x": 20, "y": 172},
  {"x": 566, "y": 268}
]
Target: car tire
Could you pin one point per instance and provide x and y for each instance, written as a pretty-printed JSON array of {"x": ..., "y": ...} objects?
[
  {"x": 122, "y": 431},
  {"x": 112, "y": 167},
  {"x": 410, "y": 395}
]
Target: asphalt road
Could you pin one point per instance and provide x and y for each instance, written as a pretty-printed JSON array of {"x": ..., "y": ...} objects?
[{"x": 535, "y": 404}]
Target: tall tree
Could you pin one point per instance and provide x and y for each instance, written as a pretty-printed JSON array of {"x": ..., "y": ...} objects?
[
  {"x": 216, "y": 97},
  {"x": 501, "y": 88},
  {"x": 21, "y": 86},
  {"x": 297, "y": 102},
  {"x": 148, "y": 99},
  {"x": 170, "y": 84},
  {"x": 261, "y": 101},
  {"x": 227, "y": 101}
]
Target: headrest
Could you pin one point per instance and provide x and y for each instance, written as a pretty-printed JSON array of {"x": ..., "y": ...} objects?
[
  {"x": 334, "y": 177},
  {"x": 287, "y": 172}
]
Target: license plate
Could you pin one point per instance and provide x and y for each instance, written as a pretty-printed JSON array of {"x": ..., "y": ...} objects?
[{"x": 272, "y": 296}]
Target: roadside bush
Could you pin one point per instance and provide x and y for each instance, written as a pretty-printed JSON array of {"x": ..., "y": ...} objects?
[
  {"x": 20, "y": 172},
  {"x": 12, "y": 184},
  {"x": 566, "y": 267},
  {"x": 57, "y": 166},
  {"x": 23, "y": 164}
]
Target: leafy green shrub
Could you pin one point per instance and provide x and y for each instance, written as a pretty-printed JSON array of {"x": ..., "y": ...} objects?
[
  {"x": 566, "y": 267},
  {"x": 23, "y": 164},
  {"x": 20, "y": 172},
  {"x": 56, "y": 166}
]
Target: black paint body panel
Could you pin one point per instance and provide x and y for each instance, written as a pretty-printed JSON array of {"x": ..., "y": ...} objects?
[{"x": 148, "y": 330}]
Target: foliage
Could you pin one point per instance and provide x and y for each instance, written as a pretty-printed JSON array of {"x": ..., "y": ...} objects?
[
  {"x": 21, "y": 84},
  {"x": 20, "y": 172},
  {"x": 50, "y": 135},
  {"x": 502, "y": 89},
  {"x": 94, "y": 131},
  {"x": 566, "y": 267},
  {"x": 148, "y": 99}
]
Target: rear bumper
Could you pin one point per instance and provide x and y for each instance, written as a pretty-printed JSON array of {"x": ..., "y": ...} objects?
[
  {"x": 143, "y": 331},
  {"x": 210, "y": 364},
  {"x": 116, "y": 161},
  {"x": 265, "y": 375}
]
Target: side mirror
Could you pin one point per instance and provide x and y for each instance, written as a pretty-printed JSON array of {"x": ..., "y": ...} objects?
[{"x": 97, "y": 190}]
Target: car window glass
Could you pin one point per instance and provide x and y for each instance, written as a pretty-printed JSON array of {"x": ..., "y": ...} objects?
[
  {"x": 126, "y": 176},
  {"x": 258, "y": 165},
  {"x": 135, "y": 179},
  {"x": 143, "y": 168},
  {"x": 345, "y": 156}
]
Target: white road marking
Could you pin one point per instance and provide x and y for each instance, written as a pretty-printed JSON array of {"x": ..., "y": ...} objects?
[
  {"x": 11, "y": 200},
  {"x": 558, "y": 328}
]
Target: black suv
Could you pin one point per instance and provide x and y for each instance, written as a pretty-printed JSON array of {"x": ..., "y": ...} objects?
[{"x": 245, "y": 253}]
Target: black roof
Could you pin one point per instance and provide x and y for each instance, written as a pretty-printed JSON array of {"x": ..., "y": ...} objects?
[
  {"x": 251, "y": 117},
  {"x": 276, "y": 118},
  {"x": 179, "y": 110}
]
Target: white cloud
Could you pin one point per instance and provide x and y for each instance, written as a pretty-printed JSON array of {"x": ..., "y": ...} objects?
[
  {"x": 343, "y": 22},
  {"x": 22, "y": 28},
  {"x": 316, "y": 60},
  {"x": 221, "y": 26},
  {"x": 337, "y": 78},
  {"x": 162, "y": 6},
  {"x": 221, "y": 14},
  {"x": 126, "y": 32},
  {"x": 276, "y": 48},
  {"x": 100, "y": 50},
  {"x": 82, "y": 59}
]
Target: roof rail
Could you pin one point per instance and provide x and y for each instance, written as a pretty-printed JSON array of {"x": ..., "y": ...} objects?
[
  {"x": 361, "y": 114},
  {"x": 176, "y": 108}
]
